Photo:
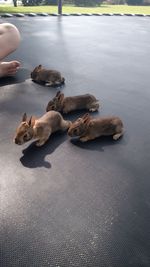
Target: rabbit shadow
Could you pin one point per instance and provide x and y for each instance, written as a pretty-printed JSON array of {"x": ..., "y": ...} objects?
[
  {"x": 56, "y": 86},
  {"x": 34, "y": 156},
  {"x": 98, "y": 144},
  {"x": 21, "y": 76}
]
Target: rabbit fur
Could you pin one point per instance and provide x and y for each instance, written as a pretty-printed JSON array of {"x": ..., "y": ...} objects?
[
  {"x": 89, "y": 128},
  {"x": 67, "y": 104},
  {"x": 47, "y": 77},
  {"x": 41, "y": 128}
]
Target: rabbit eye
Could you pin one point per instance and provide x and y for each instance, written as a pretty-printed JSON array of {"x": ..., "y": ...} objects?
[
  {"x": 75, "y": 131},
  {"x": 25, "y": 137}
]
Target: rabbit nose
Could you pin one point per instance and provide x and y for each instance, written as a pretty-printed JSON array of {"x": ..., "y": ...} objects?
[
  {"x": 17, "y": 141},
  {"x": 69, "y": 132}
]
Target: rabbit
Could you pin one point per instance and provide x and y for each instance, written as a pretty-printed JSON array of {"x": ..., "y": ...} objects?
[
  {"x": 88, "y": 128},
  {"x": 41, "y": 128},
  {"x": 47, "y": 77},
  {"x": 67, "y": 104}
]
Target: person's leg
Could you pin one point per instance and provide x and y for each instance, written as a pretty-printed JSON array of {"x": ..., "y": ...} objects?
[{"x": 9, "y": 41}]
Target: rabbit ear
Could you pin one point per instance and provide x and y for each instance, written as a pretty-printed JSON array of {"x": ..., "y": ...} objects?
[
  {"x": 30, "y": 121},
  {"x": 61, "y": 97},
  {"x": 38, "y": 68},
  {"x": 85, "y": 115},
  {"x": 86, "y": 118},
  {"x": 58, "y": 93},
  {"x": 24, "y": 117}
]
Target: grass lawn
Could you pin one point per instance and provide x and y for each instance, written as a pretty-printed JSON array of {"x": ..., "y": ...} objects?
[{"x": 72, "y": 9}]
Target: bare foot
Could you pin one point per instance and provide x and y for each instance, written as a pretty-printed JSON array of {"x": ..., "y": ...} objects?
[{"x": 9, "y": 68}]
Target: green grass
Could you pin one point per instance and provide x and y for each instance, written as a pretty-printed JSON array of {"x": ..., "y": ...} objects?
[{"x": 72, "y": 9}]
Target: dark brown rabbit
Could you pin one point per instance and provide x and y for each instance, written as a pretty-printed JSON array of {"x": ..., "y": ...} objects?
[
  {"x": 89, "y": 128},
  {"x": 67, "y": 104},
  {"x": 47, "y": 77}
]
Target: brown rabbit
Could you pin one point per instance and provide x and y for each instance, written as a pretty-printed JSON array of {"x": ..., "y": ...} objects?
[
  {"x": 48, "y": 77},
  {"x": 88, "y": 128},
  {"x": 41, "y": 128},
  {"x": 70, "y": 103}
]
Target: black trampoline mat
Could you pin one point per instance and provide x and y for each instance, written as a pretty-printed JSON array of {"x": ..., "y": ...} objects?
[{"x": 70, "y": 203}]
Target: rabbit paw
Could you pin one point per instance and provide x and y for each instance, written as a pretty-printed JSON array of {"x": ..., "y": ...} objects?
[
  {"x": 93, "y": 109},
  {"x": 40, "y": 143},
  {"x": 117, "y": 136},
  {"x": 49, "y": 84},
  {"x": 84, "y": 139}
]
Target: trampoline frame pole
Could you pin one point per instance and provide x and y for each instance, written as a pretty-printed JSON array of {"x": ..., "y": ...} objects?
[{"x": 60, "y": 7}]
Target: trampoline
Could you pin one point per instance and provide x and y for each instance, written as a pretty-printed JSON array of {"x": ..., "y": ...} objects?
[{"x": 70, "y": 203}]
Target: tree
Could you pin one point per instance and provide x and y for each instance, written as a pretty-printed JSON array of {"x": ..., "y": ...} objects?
[
  {"x": 51, "y": 2},
  {"x": 87, "y": 2},
  {"x": 15, "y": 3},
  {"x": 134, "y": 2},
  {"x": 31, "y": 2}
]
